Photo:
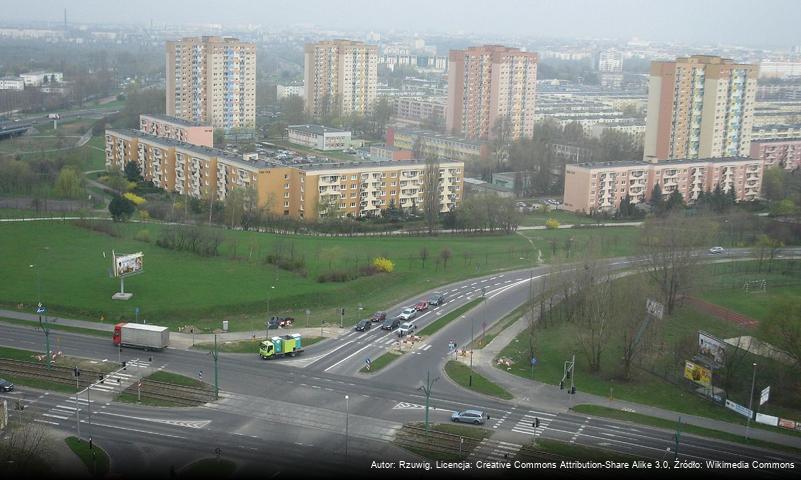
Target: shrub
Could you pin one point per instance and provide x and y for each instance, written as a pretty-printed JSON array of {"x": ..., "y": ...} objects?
[
  {"x": 143, "y": 235},
  {"x": 296, "y": 265},
  {"x": 337, "y": 276},
  {"x": 552, "y": 224},
  {"x": 98, "y": 226},
  {"x": 383, "y": 264},
  {"x": 134, "y": 198}
]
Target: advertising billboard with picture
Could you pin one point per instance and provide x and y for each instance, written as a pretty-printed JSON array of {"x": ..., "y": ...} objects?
[
  {"x": 711, "y": 347},
  {"x": 697, "y": 374},
  {"x": 126, "y": 265}
]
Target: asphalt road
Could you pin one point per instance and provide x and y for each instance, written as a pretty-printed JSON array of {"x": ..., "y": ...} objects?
[{"x": 277, "y": 412}]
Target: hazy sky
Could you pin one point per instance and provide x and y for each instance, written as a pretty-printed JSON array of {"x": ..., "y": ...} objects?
[{"x": 745, "y": 22}]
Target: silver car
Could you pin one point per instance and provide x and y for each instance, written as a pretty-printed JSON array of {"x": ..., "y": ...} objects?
[
  {"x": 476, "y": 417},
  {"x": 408, "y": 313}
]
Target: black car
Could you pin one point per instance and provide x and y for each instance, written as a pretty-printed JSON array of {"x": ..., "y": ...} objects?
[
  {"x": 436, "y": 298},
  {"x": 6, "y": 386},
  {"x": 282, "y": 322},
  {"x": 379, "y": 316},
  {"x": 390, "y": 324},
  {"x": 363, "y": 325}
]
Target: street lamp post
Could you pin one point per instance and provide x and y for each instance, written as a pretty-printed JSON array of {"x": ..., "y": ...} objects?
[
  {"x": 41, "y": 309},
  {"x": 216, "y": 382},
  {"x": 472, "y": 339},
  {"x": 347, "y": 414},
  {"x": 427, "y": 390},
  {"x": 750, "y": 404}
]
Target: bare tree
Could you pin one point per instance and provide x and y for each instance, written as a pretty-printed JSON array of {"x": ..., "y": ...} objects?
[
  {"x": 628, "y": 300},
  {"x": 445, "y": 254},
  {"x": 24, "y": 447},
  {"x": 669, "y": 248},
  {"x": 423, "y": 256},
  {"x": 594, "y": 322}
]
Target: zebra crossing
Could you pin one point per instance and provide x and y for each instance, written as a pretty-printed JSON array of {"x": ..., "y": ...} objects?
[
  {"x": 495, "y": 450},
  {"x": 533, "y": 423},
  {"x": 64, "y": 411},
  {"x": 120, "y": 379}
]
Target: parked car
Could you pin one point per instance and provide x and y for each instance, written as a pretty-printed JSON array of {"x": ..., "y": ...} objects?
[
  {"x": 6, "y": 386},
  {"x": 406, "y": 328},
  {"x": 363, "y": 325},
  {"x": 717, "y": 250},
  {"x": 421, "y": 306},
  {"x": 436, "y": 298},
  {"x": 390, "y": 324},
  {"x": 476, "y": 417},
  {"x": 408, "y": 313},
  {"x": 379, "y": 316}
]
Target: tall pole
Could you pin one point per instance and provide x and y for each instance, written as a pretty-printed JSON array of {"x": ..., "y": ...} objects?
[
  {"x": 77, "y": 413},
  {"x": 750, "y": 403},
  {"x": 216, "y": 382},
  {"x": 472, "y": 339},
  {"x": 678, "y": 436},
  {"x": 427, "y": 390},
  {"x": 40, "y": 309},
  {"x": 347, "y": 413}
]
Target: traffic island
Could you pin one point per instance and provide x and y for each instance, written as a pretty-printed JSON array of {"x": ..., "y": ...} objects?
[
  {"x": 94, "y": 457},
  {"x": 165, "y": 389},
  {"x": 461, "y": 374},
  {"x": 216, "y": 468},
  {"x": 445, "y": 442},
  {"x": 25, "y": 367}
]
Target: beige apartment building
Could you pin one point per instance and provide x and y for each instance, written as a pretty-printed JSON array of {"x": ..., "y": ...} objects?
[
  {"x": 778, "y": 153},
  {"x": 356, "y": 189},
  {"x": 212, "y": 81},
  {"x": 601, "y": 186},
  {"x": 490, "y": 84},
  {"x": 340, "y": 77},
  {"x": 700, "y": 107}
]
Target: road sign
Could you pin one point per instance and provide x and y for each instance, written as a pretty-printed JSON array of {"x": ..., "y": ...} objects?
[
  {"x": 41, "y": 309},
  {"x": 533, "y": 361},
  {"x": 308, "y": 312},
  {"x": 655, "y": 308},
  {"x": 136, "y": 310},
  {"x": 763, "y": 397}
]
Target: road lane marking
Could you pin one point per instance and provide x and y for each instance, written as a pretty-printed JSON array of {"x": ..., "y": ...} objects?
[
  {"x": 134, "y": 430},
  {"x": 347, "y": 358}
]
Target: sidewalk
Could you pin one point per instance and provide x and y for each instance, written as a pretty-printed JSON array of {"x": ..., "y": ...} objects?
[
  {"x": 178, "y": 340},
  {"x": 526, "y": 391}
]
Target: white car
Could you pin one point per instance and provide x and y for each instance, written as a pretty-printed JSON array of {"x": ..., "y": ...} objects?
[
  {"x": 406, "y": 328},
  {"x": 717, "y": 251},
  {"x": 408, "y": 313}
]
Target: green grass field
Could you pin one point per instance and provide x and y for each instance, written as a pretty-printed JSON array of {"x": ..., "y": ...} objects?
[
  {"x": 381, "y": 362},
  {"x": 460, "y": 373},
  {"x": 538, "y": 218},
  {"x": 179, "y": 288},
  {"x": 444, "y": 320}
]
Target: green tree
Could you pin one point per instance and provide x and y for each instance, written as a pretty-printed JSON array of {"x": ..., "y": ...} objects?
[
  {"x": 133, "y": 172},
  {"x": 773, "y": 184},
  {"x": 121, "y": 208},
  {"x": 675, "y": 201},
  {"x": 219, "y": 137},
  {"x": 657, "y": 201},
  {"x": 69, "y": 184},
  {"x": 431, "y": 194}
]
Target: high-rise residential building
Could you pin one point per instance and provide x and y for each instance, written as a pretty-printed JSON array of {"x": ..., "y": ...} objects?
[
  {"x": 700, "y": 107},
  {"x": 489, "y": 88},
  {"x": 610, "y": 61},
  {"x": 212, "y": 81},
  {"x": 340, "y": 77}
]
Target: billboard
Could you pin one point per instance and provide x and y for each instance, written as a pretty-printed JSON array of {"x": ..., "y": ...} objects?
[
  {"x": 784, "y": 423},
  {"x": 697, "y": 374},
  {"x": 125, "y": 265},
  {"x": 655, "y": 308},
  {"x": 767, "y": 419},
  {"x": 711, "y": 347},
  {"x": 739, "y": 409}
]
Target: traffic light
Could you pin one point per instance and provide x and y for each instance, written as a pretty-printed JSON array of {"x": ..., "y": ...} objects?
[
  {"x": 76, "y": 372},
  {"x": 561, "y": 385},
  {"x": 101, "y": 378},
  {"x": 124, "y": 363},
  {"x": 573, "y": 390}
]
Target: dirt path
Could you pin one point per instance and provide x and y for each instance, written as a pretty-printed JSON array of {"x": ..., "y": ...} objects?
[{"x": 723, "y": 313}]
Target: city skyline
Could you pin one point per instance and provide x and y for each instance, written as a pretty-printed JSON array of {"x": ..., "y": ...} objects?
[{"x": 614, "y": 19}]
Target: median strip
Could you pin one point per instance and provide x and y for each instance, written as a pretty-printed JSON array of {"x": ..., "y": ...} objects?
[
  {"x": 461, "y": 374},
  {"x": 442, "y": 321}
]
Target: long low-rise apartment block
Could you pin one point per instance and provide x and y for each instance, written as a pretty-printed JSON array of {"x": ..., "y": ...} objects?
[
  {"x": 438, "y": 145},
  {"x": 177, "y": 129},
  {"x": 785, "y": 153},
  {"x": 356, "y": 189},
  {"x": 601, "y": 186}
]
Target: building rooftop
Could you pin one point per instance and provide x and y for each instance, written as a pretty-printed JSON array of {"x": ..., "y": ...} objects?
[
  {"x": 777, "y": 140},
  {"x": 669, "y": 162},
  {"x": 443, "y": 136},
  {"x": 316, "y": 129},
  {"x": 206, "y": 151},
  {"x": 178, "y": 121},
  {"x": 370, "y": 164}
]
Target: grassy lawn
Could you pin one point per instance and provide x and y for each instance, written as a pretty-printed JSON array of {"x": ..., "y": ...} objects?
[
  {"x": 462, "y": 430},
  {"x": 208, "y": 468},
  {"x": 486, "y": 337},
  {"x": 96, "y": 459},
  {"x": 602, "y": 241},
  {"x": 460, "y": 373},
  {"x": 447, "y": 448},
  {"x": 248, "y": 346},
  {"x": 51, "y": 385},
  {"x": 177, "y": 288},
  {"x": 444, "y": 320},
  {"x": 601, "y": 411},
  {"x": 175, "y": 378},
  {"x": 59, "y": 328},
  {"x": 381, "y": 362}
]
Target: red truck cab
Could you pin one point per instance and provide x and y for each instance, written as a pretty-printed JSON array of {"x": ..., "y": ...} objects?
[{"x": 117, "y": 338}]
